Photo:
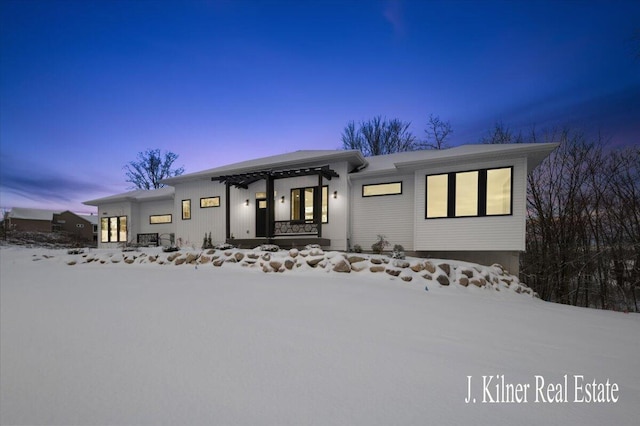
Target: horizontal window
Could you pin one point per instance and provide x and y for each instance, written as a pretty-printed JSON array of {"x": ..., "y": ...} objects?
[
  {"x": 209, "y": 202},
  {"x": 160, "y": 218},
  {"x": 485, "y": 192},
  {"x": 113, "y": 229},
  {"x": 263, "y": 195},
  {"x": 378, "y": 189}
]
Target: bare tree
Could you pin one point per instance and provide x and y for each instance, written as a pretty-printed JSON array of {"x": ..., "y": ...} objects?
[
  {"x": 437, "y": 133},
  {"x": 379, "y": 136},
  {"x": 501, "y": 134},
  {"x": 150, "y": 168}
]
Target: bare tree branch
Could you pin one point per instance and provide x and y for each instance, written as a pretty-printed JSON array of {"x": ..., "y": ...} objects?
[{"x": 150, "y": 168}]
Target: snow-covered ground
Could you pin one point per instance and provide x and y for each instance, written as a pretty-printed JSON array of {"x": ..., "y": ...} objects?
[{"x": 143, "y": 343}]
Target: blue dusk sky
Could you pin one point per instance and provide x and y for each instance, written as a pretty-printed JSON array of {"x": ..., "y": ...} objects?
[{"x": 86, "y": 85}]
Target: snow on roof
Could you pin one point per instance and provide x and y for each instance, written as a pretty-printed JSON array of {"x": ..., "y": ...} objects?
[
  {"x": 291, "y": 159},
  {"x": 32, "y": 214},
  {"x": 412, "y": 160},
  {"x": 136, "y": 195}
]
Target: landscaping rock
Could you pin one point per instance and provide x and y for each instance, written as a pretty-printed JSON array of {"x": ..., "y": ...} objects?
[
  {"x": 427, "y": 277},
  {"x": 173, "y": 257},
  {"x": 266, "y": 257},
  {"x": 446, "y": 268},
  {"x": 464, "y": 281},
  {"x": 342, "y": 266},
  {"x": 406, "y": 278},
  {"x": 129, "y": 261},
  {"x": 218, "y": 262},
  {"x": 275, "y": 265},
  {"x": 180, "y": 261},
  {"x": 316, "y": 252},
  {"x": 359, "y": 266},
  {"x": 376, "y": 260},
  {"x": 289, "y": 264},
  {"x": 210, "y": 252},
  {"x": 152, "y": 258},
  {"x": 393, "y": 272},
  {"x": 71, "y": 262},
  {"x": 253, "y": 255},
  {"x": 294, "y": 252},
  {"x": 231, "y": 260},
  {"x": 399, "y": 263},
  {"x": 239, "y": 256},
  {"x": 204, "y": 259},
  {"x": 443, "y": 280},
  {"x": 476, "y": 282},
  {"x": 314, "y": 262},
  {"x": 376, "y": 268},
  {"x": 429, "y": 267},
  {"x": 355, "y": 259},
  {"x": 467, "y": 273},
  {"x": 191, "y": 258},
  {"x": 417, "y": 267}
]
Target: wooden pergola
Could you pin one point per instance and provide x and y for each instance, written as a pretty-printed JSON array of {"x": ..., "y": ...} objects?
[{"x": 243, "y": 180}]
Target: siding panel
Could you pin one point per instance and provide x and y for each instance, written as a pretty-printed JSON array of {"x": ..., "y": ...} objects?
[{"x": 389, "y": 215}]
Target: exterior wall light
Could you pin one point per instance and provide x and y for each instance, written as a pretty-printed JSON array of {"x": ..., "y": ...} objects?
[
  {"x": 282, "y": 199},
  {"x": 246, "y": 202},
  {"x": 335, "y": 194}
]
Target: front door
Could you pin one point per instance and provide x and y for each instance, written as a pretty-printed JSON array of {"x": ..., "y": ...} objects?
[{"x": 261, "y": 217}]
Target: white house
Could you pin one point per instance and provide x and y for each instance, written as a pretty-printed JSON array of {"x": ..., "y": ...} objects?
[{"x": 464, "y": 203}]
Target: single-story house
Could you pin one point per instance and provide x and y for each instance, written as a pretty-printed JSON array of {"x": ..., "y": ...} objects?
[
  {"x": 466, "y": 202},
  {"x": 81, "y": 227}
]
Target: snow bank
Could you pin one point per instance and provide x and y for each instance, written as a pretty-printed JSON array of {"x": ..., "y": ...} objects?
[{"x": 132, "y": 344}]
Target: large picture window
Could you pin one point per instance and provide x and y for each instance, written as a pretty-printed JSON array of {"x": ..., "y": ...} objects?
[
  {"x": 485, "y": 192},
  {"x": 186, "y": 209},
  {"x": 113, "y": 229},
  {"x": 302, "y": 204}
]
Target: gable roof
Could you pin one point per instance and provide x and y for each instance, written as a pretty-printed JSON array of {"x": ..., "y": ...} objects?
[
  {"x": 274, "y": 162},
  {"x": 32, "y": 214},
  {"x": 165, "y": 193}
]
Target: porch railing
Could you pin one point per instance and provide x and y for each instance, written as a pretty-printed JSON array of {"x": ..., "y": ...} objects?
[{"x": 294, "y": 227}]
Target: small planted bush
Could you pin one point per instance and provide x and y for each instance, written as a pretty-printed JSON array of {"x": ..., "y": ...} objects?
[
  {"x": 379, "y": 246},
  {"x": 398, "y": 252},
  {"x": 357, "y": 248}
]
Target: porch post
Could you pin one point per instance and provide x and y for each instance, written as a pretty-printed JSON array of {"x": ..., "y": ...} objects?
[
  {"x": 227, "y": 206},
  {"x": 270, "y": 207},
  {"x": 317, "y": 206}
]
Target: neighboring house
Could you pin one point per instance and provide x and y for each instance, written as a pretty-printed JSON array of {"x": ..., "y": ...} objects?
[
  {"x": 39, "y": 220},
  {"x": 30, "y": 220},
  {"x": 465, "y": 203}
]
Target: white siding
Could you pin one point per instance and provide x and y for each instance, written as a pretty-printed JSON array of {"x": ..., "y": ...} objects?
[
  {"x": 203, "y": 220},
  {"x": 389, "y": 215},
  {"x": 149, "y": 208},
  {"x": 123, "y": 208},
  {"x": 478, "y": 233}
]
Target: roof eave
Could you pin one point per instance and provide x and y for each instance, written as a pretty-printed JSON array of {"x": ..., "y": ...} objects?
[{"x": 358, "y": 159}]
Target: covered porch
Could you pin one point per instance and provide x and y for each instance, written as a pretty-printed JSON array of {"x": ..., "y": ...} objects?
[{"x": 304, "y": 223}]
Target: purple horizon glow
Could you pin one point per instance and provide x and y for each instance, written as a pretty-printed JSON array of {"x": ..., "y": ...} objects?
[{"x": 86, "y": 85}]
